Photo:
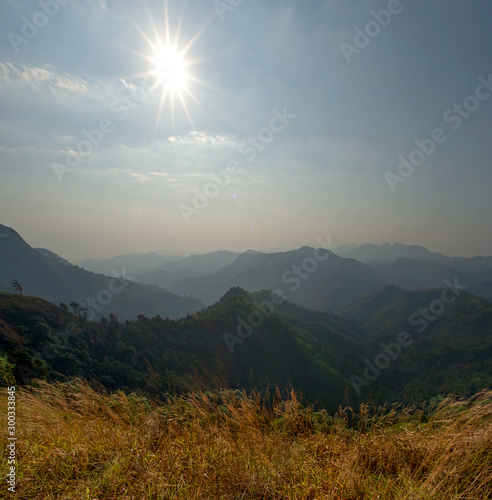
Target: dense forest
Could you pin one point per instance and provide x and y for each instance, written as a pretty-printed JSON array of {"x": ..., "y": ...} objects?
[{"x": 321, "y": 355}]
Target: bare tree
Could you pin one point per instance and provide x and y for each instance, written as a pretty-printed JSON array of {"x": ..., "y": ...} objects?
[{"x": 16, "y": 286}]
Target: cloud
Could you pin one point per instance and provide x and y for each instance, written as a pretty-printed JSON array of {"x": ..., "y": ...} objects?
[
  {"x": 43, "y": 80},
  {"x": 43, "y": 101}
]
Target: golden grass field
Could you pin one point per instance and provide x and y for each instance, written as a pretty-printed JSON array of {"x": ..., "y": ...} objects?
[{"x": 74, "y": 443}]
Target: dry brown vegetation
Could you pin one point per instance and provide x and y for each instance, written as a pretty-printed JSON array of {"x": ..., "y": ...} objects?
[{"x": 75, "y": 443}]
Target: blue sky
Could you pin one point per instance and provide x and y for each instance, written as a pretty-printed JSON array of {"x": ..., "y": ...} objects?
[{"x": 322, "y": 171}]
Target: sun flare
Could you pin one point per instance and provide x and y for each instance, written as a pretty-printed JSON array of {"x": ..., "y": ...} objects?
[
  {"x": 170, "y": 69},
  {"x": 169, "y": 62}
]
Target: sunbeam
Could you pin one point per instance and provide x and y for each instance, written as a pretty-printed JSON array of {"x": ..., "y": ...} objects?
[{"x": 171, "y": 65}]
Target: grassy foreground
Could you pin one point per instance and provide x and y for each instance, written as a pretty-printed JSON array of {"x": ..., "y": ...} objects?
[{"x": 75, "y": 443}]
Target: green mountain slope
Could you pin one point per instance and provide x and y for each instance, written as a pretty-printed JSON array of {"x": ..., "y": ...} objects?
[
  {"x": 160, "y": 355},
  {"x": 450, "y": 333},
  {"x": 253, "y": 341}
]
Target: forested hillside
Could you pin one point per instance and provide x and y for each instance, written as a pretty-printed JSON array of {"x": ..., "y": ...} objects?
[{"x": 249, "y": 341}]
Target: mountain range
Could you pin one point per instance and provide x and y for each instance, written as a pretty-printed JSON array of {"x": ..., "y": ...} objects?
[
  {"x": 324, "y": 283},
  {"x": 333, "y": 327},
  {"x": 388, "y": 252},
  {"x": 44, "y": 274},
  {"x": 173, "y": 286}
]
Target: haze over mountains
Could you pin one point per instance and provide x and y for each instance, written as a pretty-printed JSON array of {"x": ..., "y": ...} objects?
[
  {"x": 246, "y": 249},
  {"x": 388, "y": 252},
  {"x": 336, "y": 281},
  {"x": 172, "y": 286},
  {"x": 44, "y": 274},
  {"x": 333, "y": 317},
  {"x": 134, "y": 263}
]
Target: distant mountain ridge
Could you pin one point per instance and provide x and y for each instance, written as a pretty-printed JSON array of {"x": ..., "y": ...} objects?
[
  {"x": 171, "y": 274},
  {"x": 156, "y": 269},
  {"x": 388, "y": 252},
  {"x": 332, "y": 286},
  {"x": 53, "y": 256},
  {"x": 202, "y": 263},
  {"x": 328, "y": 283},
  {"x": 57, "y": 281},
  {"x": 413, "y": 267},
  {"x": 134, "y": 263},
  {"x": 325, "y": 284},
  {"x": 419, "y": 274}
]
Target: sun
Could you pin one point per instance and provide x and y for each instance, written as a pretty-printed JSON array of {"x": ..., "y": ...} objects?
[
  {"x": 169, "y": 62},
  {"x": 170, "y": 69}
]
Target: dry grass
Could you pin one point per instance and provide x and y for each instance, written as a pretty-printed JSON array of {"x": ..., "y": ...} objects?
[{"x": 75, "y": 443}]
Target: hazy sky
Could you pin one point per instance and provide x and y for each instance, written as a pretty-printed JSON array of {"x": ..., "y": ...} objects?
[{"x": 307, "y": 122}]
